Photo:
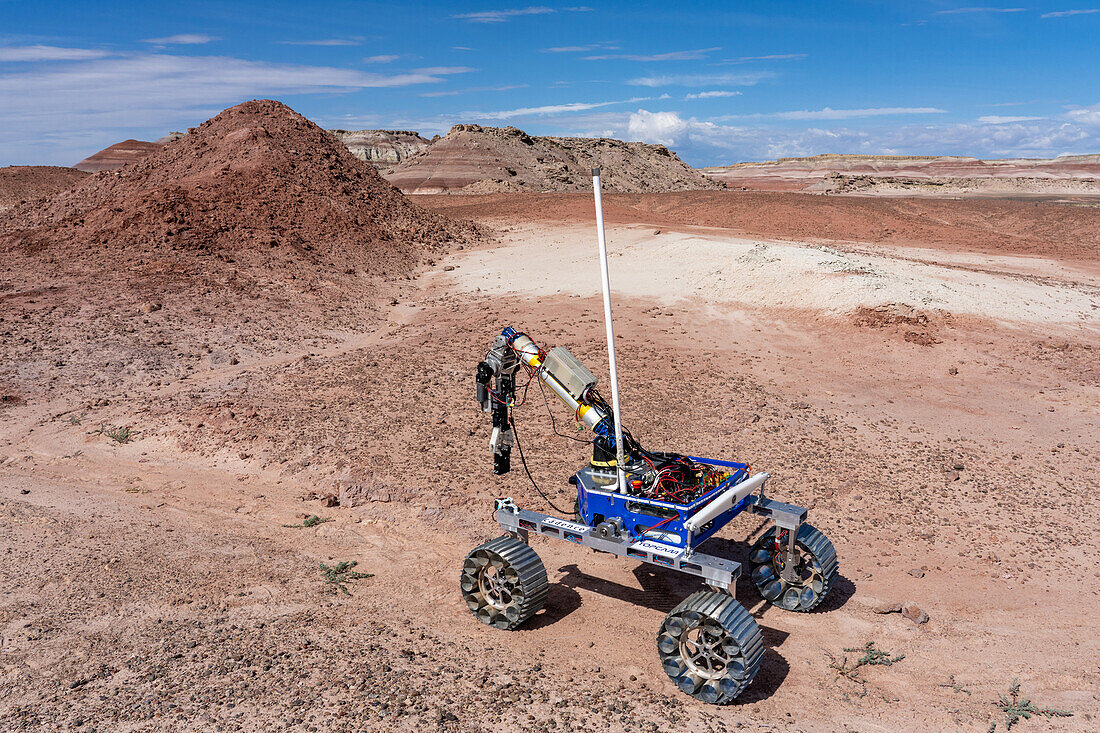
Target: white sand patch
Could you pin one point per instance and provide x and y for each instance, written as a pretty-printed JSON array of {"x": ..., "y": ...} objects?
[{"x": 676, "y": 266}]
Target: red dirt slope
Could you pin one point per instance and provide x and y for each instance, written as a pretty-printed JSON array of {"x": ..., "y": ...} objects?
[
  {"x": 257, "y": 228},
  {"x": 19, "y": 183}
]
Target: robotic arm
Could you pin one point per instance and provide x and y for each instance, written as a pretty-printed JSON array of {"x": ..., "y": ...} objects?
[{"x": 557, "y": 369}]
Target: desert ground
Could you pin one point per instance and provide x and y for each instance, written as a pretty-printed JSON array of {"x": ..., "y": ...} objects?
[{"x": 922, "y": 374}]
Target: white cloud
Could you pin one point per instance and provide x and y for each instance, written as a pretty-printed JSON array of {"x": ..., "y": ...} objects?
[
  {"x": 353, "y": 41},
  {"x": 663, "y": 128},
  {"x": 711, "y": 95},
  {"x": 182, "y": 39},
  {"x": 48, "y": 53},
  {"x": 828, "y": 113},
  {"x": 693, "y": 55},
  {"x": 549, "y": 109},
  {"x": 444, "y": 70},
  {"x": 1085, "y": 115},
  {"x": 769, "y": 57},
  {"x": 1003, "y": 120},
  {"x": 384, "y": 58},
  {"x": 960, "y": 11},
  {"x": 701, "y": 80},
  {"x": 581, "y": 49},
  {"x": 84, "y": 104},
  {"x": 499, "y": 16},
  {"x": 1068, "y": 13},
  {"x": 456, "y": 92}
]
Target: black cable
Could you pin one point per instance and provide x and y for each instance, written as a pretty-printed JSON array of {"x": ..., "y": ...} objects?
[
  {"x": 553, "y": 422},
  {"x": 528, "y": 472}
]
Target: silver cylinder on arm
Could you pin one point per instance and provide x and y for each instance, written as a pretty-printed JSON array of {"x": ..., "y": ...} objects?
[{"x": 529, "y": 353}]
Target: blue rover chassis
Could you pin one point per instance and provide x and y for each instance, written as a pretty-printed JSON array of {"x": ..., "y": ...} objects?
[{"x": 650, "y": 530}]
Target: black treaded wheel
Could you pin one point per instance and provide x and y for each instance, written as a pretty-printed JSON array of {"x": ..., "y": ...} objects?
[
  {"x": 710, "y": 647},
  {"x": 816, "y": 568},
  {"x": 504, "y": 582}
]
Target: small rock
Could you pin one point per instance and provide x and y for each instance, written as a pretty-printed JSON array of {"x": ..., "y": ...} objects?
[
  {"x": 914, "y": 613},
  {"x": 951, "y": 475},
  {"x": 916, "y": 573},
  {"x": 24, "y": 491},
  {"x": 151, "y": 307},
  {"x": 888, "y": 608},
  {"x": 448, "y": 268},
  {"x": 953, "y": 371},
  {"x": 958, "y": 467},
  {"x": 656, "y": 232},
  {"x": 329, "y": 500}
]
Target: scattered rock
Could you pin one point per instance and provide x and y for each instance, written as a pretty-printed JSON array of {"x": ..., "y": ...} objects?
[
  {"x": 151, "y": 307},
  {"x": 888, "y": 608},
  {"x": 951, "y": 476},
  {"x": 916, "y": 573},
  {"x": 329, "y": 500},
  {"x": 448, "y": 268},
  {"x": 914, "y": 613}
]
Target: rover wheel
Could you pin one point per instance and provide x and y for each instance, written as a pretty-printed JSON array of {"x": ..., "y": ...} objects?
[
  {"x": 710, "y": 647},
  {"x": 815, "y": 568},
  {"x": 504, "y": 582}
]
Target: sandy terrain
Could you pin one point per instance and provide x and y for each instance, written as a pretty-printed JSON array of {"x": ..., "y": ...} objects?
[{"x": 923, "y": 375}]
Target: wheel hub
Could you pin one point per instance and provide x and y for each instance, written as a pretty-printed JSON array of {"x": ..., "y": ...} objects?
[{"x": 707, "y": 650}]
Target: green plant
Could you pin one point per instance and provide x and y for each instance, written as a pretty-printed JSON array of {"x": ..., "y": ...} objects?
[
  {"x": 871, "y": 657},
  {"x": 1014, "y": 707},
  {"x": 339, "y": 575},
  {"x": 119, "y": 435},
  {"x": 952, "y": 684},
  {"x": 310, "y": 522}
]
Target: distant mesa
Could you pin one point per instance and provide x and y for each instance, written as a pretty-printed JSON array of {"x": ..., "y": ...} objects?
[
  {"x": 835, "y": 173},
  {"x": 118, "y": 155},
  {"x": 477, "y": 159},
  {"x": 382, "y": 148}
]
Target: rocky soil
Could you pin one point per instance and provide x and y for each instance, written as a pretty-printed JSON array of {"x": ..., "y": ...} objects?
[
  {"x": 256, "y": 230},
  {"x": 21, "y": 183},
  {"x": 180, "y": 396},
  {"x": 476, "y": 159}
]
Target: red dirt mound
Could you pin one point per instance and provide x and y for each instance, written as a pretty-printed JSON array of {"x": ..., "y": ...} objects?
[
  {"x": 255, "y": 231},
  {"x": 259, "y": 184},
  {"x": 19, "y": 183},
  {"x": 117, "y": 155}
]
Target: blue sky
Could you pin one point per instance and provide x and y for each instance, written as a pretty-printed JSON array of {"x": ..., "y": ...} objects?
[{"x": 717, "y": 82}]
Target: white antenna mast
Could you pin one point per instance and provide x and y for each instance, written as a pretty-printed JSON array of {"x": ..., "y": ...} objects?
[{"x": 610, "y": 332}]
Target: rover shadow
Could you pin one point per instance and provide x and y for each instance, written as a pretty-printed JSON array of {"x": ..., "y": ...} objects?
[
  {"x": 843, "y": 587},
  {"x": 661, "y": 590},
  {"x": 562, "y": 601},
  {"x": 773, "y": 670}
]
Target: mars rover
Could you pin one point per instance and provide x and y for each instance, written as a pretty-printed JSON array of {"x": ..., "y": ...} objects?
[{"x": 648, "y": 506}]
